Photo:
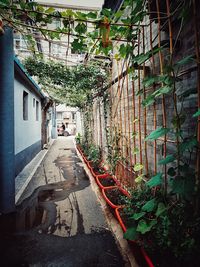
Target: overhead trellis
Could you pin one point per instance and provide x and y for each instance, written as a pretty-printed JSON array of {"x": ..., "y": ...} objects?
[
  {"x": 74, "y": 86},
  {"x": 30, "y": 17}
]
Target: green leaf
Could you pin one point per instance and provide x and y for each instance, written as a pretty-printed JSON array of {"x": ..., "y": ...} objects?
[
  {"x": 140, "y": 59},
  {"x": 150, "y": 80},
  {"x": 188, "y": 144},
  {"x": 162, "y": 91},
  {"x": 107, "y": 12},
  {"x": 125, "y": 50},
  {"x": 135, "y": 151},
  {"x": 137, "y": 167},
  {"x": 139, "y": 215},
  {"x": 131, "y": 233},
  {"x": 161, "y": 208},
  {"x": 144, "y": 227},
  {"x": 178, "y": 120},
  {"x": 80, "y": 15},
  {"x": 168, "y": 159},
  {"x": 81, "y": 28},
  {"x": 134, "y": 134},
  {"x": 50, "y": 10},
  {"x": 78, "y": 45},
  {"x": 92, "y": 15},
  {"x": 157, "y": 133},
  {"x": 149, "y": 205},
  {"x": 4, "y": 3},
  {"x": 139, "y": 178},
  {"x": 148, "y": 100},
  {"x": 155, "y": 180},
  {"x": 69, "y": 13},
  {"x": 184, "y": 60},
  {"x": 118, "y": 14},
  {"x": 196, "y": 114}
]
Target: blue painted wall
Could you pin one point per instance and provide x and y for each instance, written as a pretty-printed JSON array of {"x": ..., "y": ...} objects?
[{"x": 7, "y": 167}]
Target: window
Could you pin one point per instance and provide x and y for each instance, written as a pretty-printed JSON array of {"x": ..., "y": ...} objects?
[
  {"x": 17, "y": 44},
  {"x": 33, "y": 102},
  {"x": 59, "y": 115},
  {"x": 25, "y": 106},
  {"x": 37, "y": 110},
  {"x": 73, "y": 116}
]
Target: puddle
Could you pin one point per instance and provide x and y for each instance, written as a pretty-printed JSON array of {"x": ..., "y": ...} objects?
[
  {"x": 51, "y": 208},
  {"x": 50, "y": 227}
]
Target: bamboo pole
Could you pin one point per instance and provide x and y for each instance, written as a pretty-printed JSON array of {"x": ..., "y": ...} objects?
[
  {"x": 111, "y": 123},
  {"x": 163, "y": 97},
  {"x": 174, "y": 89},
  {"x": 145, "y": 110},
  {"x": 117, "y": 115},
  {"x": 100, "y": 125},
  {"x": 139, "y": 105},
  {"x": 121, "y": 123},
  {"x": 126, "y": 134},
  {"x": 134, "y": 120},
  {"x": 154, "y": 104},
  {"x": 128, "y": 106}
]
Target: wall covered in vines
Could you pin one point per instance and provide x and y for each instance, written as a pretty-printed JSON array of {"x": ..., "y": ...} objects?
[{"x": 153, "y": 97}]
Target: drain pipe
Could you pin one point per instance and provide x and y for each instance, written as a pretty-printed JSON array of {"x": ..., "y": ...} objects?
[{"x": 7, "y": 154}]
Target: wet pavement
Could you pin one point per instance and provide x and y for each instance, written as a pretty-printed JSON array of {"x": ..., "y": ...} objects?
[{"x": 58, "y": 220}]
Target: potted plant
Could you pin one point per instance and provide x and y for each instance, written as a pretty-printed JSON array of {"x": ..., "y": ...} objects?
[
  {"x": 162, "y": 222},
  {"x": 94, "y": 157},
  {"x": 114, "y": 196},
  {"x": 104, "y": 182}
]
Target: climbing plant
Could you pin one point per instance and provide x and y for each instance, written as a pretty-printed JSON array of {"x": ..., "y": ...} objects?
[
  {"x": 164, "y": 209},
  {"x": 74, "y": 86}
]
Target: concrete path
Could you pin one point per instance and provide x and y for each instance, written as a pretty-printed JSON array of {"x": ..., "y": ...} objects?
[{"x": 59, "y": 221}]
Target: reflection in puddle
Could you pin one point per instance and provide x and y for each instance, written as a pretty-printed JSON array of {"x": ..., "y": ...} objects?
[
  {"x": 66, "y": 219},
  {"x": 48, "y": 227},
  {"x": 52, "y": 208}
]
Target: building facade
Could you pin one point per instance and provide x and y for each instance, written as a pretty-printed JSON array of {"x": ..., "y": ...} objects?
[
  {"x": 70, "y": 116},
  {"x": 28, "y": 100}
]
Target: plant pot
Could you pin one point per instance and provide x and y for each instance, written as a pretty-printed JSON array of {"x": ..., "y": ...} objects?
[
  {"x": 138, "y": 251},
  {"x": 112, "y": 196},
  {"x": 89, "y": 163},
  {"x": 108, "y": 181},
  {"x": 84, "y": 158},
  {"x": 97, "y": 174}
]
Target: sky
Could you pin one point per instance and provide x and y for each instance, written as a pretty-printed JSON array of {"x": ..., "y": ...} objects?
[{"x": 89, "y": 3}]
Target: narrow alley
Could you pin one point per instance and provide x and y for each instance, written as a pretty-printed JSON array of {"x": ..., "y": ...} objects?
[
  {"x": 59, "y": 221},
  {"x": 100, "y": 133}
]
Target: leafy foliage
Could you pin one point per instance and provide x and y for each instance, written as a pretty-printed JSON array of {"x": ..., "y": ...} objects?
[
  {"x": 157, "y": 133},
  {"x": 74, "y": 86}
]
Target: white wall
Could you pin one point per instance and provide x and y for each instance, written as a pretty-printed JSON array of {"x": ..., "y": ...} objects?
[
  {"x": 79, "y": 127},
  {"x": 27, "y": 132}
]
